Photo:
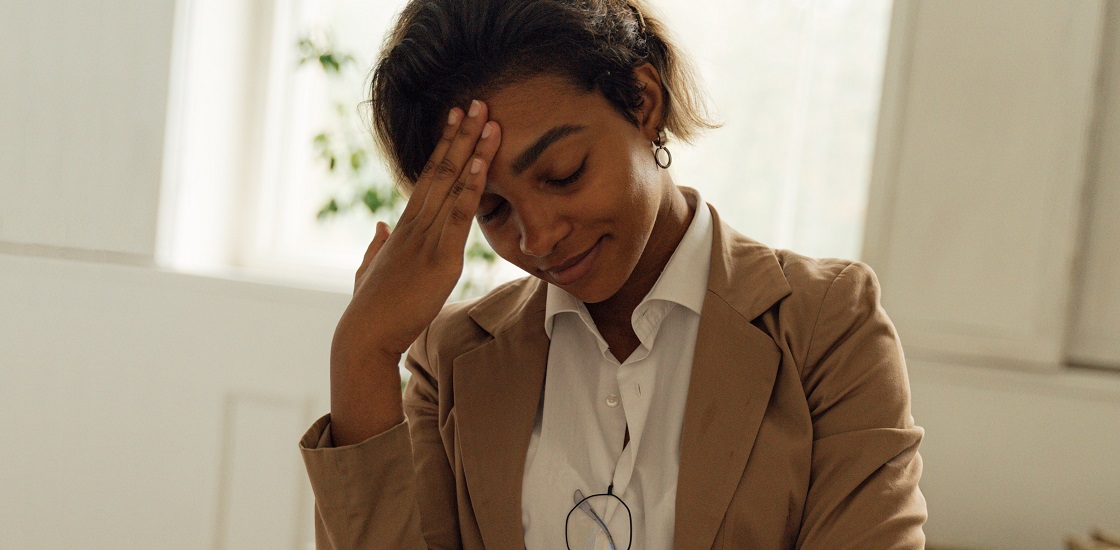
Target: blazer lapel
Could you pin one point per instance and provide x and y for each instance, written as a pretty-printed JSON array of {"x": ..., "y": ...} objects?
[
  {"x": 496, "y": 404},
  {"x": 733, "y": 373}
]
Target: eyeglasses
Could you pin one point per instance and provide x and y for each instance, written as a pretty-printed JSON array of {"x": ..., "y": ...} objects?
[{"x": 585, "y": 528}]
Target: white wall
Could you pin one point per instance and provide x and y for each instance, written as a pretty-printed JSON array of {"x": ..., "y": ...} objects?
[
  {"x": 1016, "y": 460},
  {"x": 1095, "y": 338},
  {"x": 147, "y": 409},
  {"x": 978, "y": 226},
  {"x": 151, "y": 409},
  {"x": 979, "y": 186},
  {"x": 143, "y": 408},
  {"x": 84, "y": 92}
]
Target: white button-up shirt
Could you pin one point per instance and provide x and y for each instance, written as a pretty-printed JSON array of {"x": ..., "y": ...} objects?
[{"x": 590, "y": 399}]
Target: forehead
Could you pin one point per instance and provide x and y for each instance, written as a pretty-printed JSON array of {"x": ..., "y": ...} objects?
[{"x": 527, "y": 109}]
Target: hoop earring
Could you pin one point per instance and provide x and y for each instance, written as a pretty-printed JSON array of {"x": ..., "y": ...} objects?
[{"x": 662, "y": 151}]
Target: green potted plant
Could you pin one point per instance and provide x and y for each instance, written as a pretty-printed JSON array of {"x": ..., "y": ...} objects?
[{"x": 343, "y": 150}]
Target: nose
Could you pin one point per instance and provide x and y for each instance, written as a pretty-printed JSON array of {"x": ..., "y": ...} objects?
[{"x": 540, "y": 229}]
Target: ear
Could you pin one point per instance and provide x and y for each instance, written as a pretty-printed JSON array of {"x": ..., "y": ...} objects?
[{"x": 651, "y": 111}]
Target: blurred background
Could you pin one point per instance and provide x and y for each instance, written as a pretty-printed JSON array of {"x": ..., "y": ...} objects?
[{"x": 186, "y": 188}]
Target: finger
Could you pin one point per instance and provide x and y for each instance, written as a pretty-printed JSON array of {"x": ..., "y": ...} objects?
[
  {"x": 450, "y": 130},
  {"x": 448, "y": 170},
  {"x": 470, "y": 181},
  {"x": 379, "y": 238},
  {"x": 465, "y": 195}
]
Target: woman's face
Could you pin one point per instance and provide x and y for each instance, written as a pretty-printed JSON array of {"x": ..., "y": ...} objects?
[{"x": 573, "y": 193}]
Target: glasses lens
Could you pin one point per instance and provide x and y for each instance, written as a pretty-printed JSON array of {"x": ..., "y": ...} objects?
[{"x": 600, "y": 522}]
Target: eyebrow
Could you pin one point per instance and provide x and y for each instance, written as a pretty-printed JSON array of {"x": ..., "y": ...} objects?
[{"x": 534, "y": 151}]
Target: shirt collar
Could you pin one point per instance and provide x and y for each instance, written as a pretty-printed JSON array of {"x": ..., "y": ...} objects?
[{"x": 684, "y": 280}]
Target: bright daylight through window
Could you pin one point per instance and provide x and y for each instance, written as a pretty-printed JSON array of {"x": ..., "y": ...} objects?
[{"x": 796, "y": 84}]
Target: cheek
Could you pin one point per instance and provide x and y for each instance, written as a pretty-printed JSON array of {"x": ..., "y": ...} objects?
[{"x": 644, "y": 170}]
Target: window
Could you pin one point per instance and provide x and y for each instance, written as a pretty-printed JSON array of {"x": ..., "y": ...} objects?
[{"x": 796, "y": 84}]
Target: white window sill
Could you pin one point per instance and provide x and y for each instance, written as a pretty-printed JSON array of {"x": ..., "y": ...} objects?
[{"x": 1061, "y": 381}]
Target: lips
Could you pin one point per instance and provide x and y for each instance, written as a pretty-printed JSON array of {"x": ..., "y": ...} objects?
[{"x": 572, "y": 270}]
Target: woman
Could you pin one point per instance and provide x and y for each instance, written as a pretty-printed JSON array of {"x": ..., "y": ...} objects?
[{"x": 659, "y": 381}]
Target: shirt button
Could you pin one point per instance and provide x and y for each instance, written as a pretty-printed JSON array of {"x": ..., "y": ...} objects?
[{"x": 612, "y": 400}]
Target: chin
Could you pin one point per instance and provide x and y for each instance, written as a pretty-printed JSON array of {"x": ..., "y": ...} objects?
[{"x": 602, "y": 285}]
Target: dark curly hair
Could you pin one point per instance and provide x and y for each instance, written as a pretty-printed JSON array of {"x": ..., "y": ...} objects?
[{"x": 443, "y": 53}]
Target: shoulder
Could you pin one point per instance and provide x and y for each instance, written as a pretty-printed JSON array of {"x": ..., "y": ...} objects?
[
  {"x": 816, "y": 279},
  {"x": 758, "y": 280},
  {"x": 842, "y": 338},
  {"x": 828, "y": 298}
]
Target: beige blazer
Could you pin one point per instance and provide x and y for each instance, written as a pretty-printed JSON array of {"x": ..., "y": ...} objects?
[{"x": 797, "y": 429}]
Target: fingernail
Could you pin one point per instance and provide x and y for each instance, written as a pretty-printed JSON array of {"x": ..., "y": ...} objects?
[
  {"x": 452, "y": 118},
  {"x": 486, "y": 131},
  {"x": 475, "y": 106},
  {"x": 476, "y": 166}
]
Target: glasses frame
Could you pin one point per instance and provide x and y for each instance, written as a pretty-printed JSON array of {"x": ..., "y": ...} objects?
[{"x": 580, "y": 500}]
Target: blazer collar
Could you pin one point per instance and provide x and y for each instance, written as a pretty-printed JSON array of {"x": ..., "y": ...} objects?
[{"x": 498, "y": 388}]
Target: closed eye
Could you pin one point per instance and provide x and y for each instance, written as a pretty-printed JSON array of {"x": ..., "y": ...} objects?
[
  {"x": 564, "y": 182},
  {"x": 493, "y": 213},
  {"x": 570, "y": 179}
]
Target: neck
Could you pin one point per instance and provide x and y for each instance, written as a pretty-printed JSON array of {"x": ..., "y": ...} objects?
[{"x": 672, "y": 222}]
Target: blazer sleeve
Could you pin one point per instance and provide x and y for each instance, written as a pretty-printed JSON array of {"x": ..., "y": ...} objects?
[
  {"x": 864, "y": 490},
  {"x": 364, "y": 493},
  {"x": 392, "y": 491}
]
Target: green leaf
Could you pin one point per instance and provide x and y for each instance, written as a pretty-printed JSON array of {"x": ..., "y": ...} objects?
[
  {"x": 331, "y": 163},
  {"x": 328, "y": 210},
  {"x": 356, "y": 160},
  {"x": 373, "y": 201},
  {"x": 329, "y": 63},
  {"x": 321, "y": 140}
]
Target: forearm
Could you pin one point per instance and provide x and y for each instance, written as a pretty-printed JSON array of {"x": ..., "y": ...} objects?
[{"x": 365, "y": 396}]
